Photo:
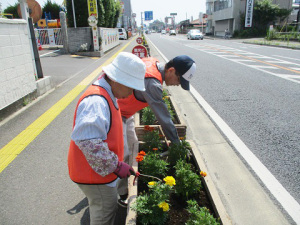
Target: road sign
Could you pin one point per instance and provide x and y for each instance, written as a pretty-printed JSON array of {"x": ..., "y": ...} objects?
[
  {"x": 140, "y": 51},
  {"x": 139, "y": 40},
  {"x": 92, "y": 7},
  {"x": 148, "y": 15}
]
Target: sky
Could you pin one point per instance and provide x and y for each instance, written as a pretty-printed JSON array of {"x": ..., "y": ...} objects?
[{"x": 161, "y": 8}]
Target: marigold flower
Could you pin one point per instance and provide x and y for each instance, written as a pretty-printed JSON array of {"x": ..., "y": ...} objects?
[
  {"x": 182, "y": 138},
  {"x": 146, "y": 127},
  {"x": 170, "y": 181},
  {"x": 164, "y": 206},
  {"x": 151, "y": 183},
  {"x": 139, "y": 158},
  {"x": 203, "y": 174},
  {"x": 155, "y": 149},
  {"x": 142, "y": 153}
]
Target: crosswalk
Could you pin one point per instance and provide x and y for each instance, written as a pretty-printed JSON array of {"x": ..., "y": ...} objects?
[{"x": 276, "y": 66}]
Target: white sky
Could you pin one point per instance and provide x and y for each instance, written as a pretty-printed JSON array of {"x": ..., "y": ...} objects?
[{"x": 161, "y": 8}]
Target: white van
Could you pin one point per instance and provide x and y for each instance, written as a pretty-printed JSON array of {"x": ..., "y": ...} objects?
[{"x": 122, "y": 33}]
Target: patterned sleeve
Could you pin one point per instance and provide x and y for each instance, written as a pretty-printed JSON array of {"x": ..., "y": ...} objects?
[{"x": 101, "y": 159}]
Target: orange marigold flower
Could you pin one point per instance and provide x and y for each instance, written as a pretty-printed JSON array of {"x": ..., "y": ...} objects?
[
  {"x": 203, "y": 174},
  {"x": 142, "y": 153},
  {"x": 182, "y": 138},
  {"x": 139, "y": 158},
  {"x": 146, "y": 127},
  {"x": 155, "y": 149}
]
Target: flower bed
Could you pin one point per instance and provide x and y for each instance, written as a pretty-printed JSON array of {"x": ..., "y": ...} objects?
[
  {"x": 177, "y": 119},
  {"x": 166, "y": 200}
]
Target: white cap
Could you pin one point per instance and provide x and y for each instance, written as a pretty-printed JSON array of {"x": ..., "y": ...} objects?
[{"x": 127, "y": 69}]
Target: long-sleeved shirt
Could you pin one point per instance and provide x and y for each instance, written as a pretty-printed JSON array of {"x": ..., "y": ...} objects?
[
  {"x": 153, "y": 96},
  {"x": 91, "y": 127}
]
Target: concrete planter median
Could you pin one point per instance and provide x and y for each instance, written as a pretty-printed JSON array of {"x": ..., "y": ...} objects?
[{"x": 207, "y": 183}]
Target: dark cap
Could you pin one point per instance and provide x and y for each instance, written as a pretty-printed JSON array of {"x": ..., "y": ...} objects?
[{"x": 186, "y": 68}]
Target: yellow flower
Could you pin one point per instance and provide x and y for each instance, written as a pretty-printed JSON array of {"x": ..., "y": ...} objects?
[
  {"x": 151, "y": 183},
  {"x": 164, "y": 206},
  {"x": 203, "y": 174},
  {"x": 170, "y": 181}
]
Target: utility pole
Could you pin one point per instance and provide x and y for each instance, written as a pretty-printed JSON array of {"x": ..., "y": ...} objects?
[{"x": 142, "y": 27}]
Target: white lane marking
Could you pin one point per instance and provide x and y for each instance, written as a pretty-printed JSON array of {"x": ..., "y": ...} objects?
[
  {"x": 250, "y": 55},
  {"x": 286, "y": 57},
  {"x": 264, "y": 67},
  {"x": 290, "y": 205},
  {"x": 49, "y": 53}
]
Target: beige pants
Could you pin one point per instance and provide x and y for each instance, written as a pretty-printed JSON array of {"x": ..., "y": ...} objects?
[
  {"x": 129, "y": 139},
  {"x": 102, "y": 203}
]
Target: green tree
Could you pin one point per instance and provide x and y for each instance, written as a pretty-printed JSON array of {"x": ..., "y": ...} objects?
[
  {"x": 107, "y": 13},
  {"x": 53, "y": 8},
  {"x": 12, "y": 9}
]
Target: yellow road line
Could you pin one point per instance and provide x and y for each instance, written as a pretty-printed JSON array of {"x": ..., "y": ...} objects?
[
  {"x": 10, "y": 151},
  {"x": 257, "y": 60}
]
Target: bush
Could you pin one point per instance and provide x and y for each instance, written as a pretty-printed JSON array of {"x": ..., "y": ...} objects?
[
  {"x": 148, "y": 116},
  {"x": 188, "y": 183},
  {"x": 152, "y": 208},
  {"x": 179, "y": 151},
  {"x": 199, "y": 216},
  {"x": 151, "y": 139},
  {"x": 153, "y": 165}
]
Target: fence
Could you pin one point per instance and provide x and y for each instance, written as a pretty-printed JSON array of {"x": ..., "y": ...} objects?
[{"x": 51, "y": 37}]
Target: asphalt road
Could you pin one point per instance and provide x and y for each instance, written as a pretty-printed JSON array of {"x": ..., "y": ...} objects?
[{"x": 256, "y": 91}]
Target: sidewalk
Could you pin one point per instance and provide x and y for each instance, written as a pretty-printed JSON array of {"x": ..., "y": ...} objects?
[{"x": 36, "y": 186}]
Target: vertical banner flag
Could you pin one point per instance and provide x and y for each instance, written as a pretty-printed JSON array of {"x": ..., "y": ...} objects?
[
  {"x": 92, "y": 5},
  {"x": 249, "y": 13}
]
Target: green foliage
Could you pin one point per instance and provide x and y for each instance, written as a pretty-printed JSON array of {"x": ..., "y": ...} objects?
[
  {"x": 147, "y": 205},
  {"x": 153, "y": 165},
  {"x": 152, "y": 140},
  {"x": 199, "y": 216},
  {"x": 108, "y": 13},
  {"x": 188, "y": 183},
  {"x": 12, "y": 9},
  {"x": 51, "y": 7},
  {"x": 265, "y": 13},
  {"x": 169, "y": 106},
  {"x": 178, "y": 151},
  {"x": 148, "y": 116}
]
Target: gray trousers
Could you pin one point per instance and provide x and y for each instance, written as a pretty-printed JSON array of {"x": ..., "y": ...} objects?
[
  {"x": 129, "y": 139},
  {"x": 102, "y": 203}
]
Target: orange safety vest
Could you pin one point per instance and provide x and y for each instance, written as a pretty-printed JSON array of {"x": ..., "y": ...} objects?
[
  {"x": 79, "y": 169},
  {"x": 130, "y": 105}
]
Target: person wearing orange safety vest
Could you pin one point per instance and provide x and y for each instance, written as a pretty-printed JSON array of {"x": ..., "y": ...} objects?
[
  {"x": 95, "y": 158},
  {"x": 177, "y": 71}
]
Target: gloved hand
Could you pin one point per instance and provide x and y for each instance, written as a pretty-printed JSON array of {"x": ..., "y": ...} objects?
[{"x": 124, "y": 170}]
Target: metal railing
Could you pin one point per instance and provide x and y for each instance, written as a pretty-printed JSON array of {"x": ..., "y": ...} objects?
[{"x": 51, "y": 37}]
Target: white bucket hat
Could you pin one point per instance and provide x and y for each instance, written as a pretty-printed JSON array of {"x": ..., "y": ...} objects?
[{"x": 127, "y": 69}]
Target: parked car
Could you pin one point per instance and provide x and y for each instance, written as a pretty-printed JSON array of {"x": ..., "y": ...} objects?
[
  {"x": 194, "y": 34},
  {"x": 163, "y": 32},
  {"x": 122, "y": 33},
  {"x": 172, "y": 32}
]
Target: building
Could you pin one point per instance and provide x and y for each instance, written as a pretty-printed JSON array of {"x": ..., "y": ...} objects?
[
  {"x": 225, "y": 14},
  {"x": 127, "y": 19}
]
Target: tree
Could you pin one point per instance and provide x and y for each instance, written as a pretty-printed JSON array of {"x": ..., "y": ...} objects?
[
  {"x": 266, "y": 13},
  {"x": 12, "y": 9},
  {"x": 52, "y": 8},
  {"x": 108, "y": 10}
]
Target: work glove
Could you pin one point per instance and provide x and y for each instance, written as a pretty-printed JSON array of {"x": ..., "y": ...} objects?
[{"x": 123, "y": 170}]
